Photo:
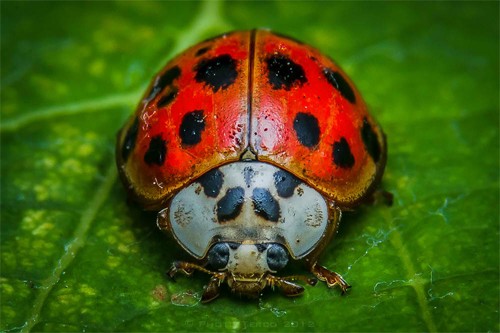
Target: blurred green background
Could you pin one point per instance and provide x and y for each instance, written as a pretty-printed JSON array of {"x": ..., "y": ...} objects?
[{"x": 76, "y": 257}]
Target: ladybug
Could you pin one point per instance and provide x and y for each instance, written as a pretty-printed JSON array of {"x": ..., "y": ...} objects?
[{"x": 250, "y": 145}]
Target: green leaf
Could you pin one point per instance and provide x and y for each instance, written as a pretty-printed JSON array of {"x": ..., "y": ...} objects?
[{"x": 76, "y": 257}]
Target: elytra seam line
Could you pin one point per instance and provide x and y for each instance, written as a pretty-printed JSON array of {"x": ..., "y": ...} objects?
[{"x": 250, "y": 85}]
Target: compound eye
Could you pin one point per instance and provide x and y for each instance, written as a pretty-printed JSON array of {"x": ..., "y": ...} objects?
[
  {"x": 218, "y": 256},
  {"x": 277, "y": 257}
]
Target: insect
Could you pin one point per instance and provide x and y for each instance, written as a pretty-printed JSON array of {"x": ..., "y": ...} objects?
[{"x": 250, "y": 145}]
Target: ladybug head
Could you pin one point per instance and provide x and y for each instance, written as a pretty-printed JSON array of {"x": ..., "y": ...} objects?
[{"x": 248, "y": 267}]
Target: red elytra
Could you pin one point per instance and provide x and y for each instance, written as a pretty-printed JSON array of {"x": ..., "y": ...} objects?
[{"x": 251, "y": 94}]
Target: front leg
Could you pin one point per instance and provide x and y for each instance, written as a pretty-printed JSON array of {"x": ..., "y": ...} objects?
[
  {"x": 187, "y": 268},
  {"x": 331, "y": 278},
  {"x": 181, "y": 266},
  {"x": 211, "y": 290},
  {"x": 286, "y": 285},
  {"x": 288, "y": 288}
]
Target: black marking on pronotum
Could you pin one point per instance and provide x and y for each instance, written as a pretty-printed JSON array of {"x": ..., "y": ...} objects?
[
  {"x": 339, "y": 82},
  {"x": 370, "y": 140},
  {"x": 193, "y": 123},
  {"x": 167, "y": 98},
  {"x": 219, "y": 72},
  {"x": 285, "y": 183},
  {"x": 156, "y": 152},
  {"x": 163, "y": 81},
  {"x": 265, "y": 205},
  {"x": 277, "y": 257},
  {"x": 342, "y": 156},
  {"x": 307, "y": 129},
  {"x": 248, "y": 174},
  {"x": 130, "y": 138},
  {"x": 283, "y": 73},
  {"x": 202, "y": 51},
  {"x": 229, "y": 206},
  {"x": 212, "y": 182}
]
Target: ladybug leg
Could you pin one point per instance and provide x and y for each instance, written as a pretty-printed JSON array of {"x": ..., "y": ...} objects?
[
  {"x": 162, "y": 221},
  {"x": 309, "y": 281},
  {"x": 288, "y": 288},
  {"x": 387, "y": 196},
  {"x": 331, "y": 278},
  {"x": 181, "y": 266},
  {"x": 211, "y": 290},
  {"x": 380, "y": 196},
  {"x": 187, "y": 268}
]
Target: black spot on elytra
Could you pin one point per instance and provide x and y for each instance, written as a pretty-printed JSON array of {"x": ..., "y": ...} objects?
[
  {"x": 370, "y": 140},
  {"x": 219, "y": 72},
  {"x": 248, "y": 174},
  {"x": 342, "y": 156},
  {"x": 338, "y": 82},
  {"x": 229, "y": 206},
  {"x": 156, "y": 152},
  {"x": 193, "y": 123},
  {"x": 284, "y": 73},
  {"x": 130, "y": 138},
  {"x": 277, "y": 257},
  {"x": 285, "y": 183},
  {"x": 307, "y": 129},
  {"x": 212, "y": 182},
  {"x": 163, "y": 81},
  {"x": 167, "y": 98},
  {"x": 202, "y": 51},
  {"x": 265, "y": 205}
]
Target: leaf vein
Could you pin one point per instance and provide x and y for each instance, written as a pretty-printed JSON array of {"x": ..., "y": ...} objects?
[
  {"x": 210, "y": 17},
  {"x": 72, "y": 248},
  {"x": 418, "y": 287},
  {"x": 91, "y": 105}
]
